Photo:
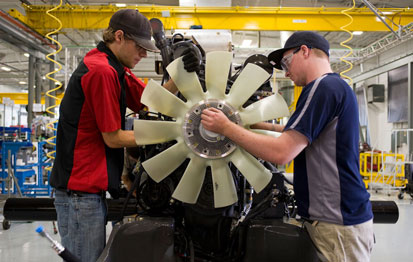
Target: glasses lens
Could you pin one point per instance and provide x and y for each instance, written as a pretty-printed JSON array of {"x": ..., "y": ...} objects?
[
  {"x": 285, "y": 62},
  {"x": 284, "y": 66}
]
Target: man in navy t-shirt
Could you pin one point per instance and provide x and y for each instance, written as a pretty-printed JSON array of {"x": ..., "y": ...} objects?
[{"x": 322, "y": 137}]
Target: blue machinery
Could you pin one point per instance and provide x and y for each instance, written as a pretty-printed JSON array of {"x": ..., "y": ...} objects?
[{"x": 13, "y": 175}]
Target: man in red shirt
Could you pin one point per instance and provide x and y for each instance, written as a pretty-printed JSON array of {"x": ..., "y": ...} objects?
[{"x": 91, "y": 135}]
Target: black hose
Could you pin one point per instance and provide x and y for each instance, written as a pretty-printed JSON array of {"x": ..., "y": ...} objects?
[{"x": 68, "y": 257}]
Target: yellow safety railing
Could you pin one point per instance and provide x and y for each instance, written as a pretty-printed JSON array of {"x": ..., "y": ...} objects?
[{"x": 383, "y": 168}]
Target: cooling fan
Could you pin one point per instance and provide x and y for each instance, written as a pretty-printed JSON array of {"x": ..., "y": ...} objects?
[{"x": 202, "y": 147}]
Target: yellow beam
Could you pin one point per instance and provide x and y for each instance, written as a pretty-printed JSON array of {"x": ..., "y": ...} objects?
[
  {"x": 232, "y": 18},
  {"x": 22, "y": 98}
]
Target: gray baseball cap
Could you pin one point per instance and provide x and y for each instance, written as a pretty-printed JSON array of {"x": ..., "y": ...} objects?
[{"x": 136, "y": 25}]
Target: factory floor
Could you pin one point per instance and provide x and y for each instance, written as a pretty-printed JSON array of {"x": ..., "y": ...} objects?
[{"x": 21, "y": 243}]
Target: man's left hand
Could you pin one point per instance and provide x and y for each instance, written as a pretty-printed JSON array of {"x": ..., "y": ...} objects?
[{"x": 191, "y": 60}]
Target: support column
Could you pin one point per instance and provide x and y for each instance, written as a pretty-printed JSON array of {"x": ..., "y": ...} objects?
[
  {"x": 38, "y": 90},
  {"x": 31, "y": 91},
  {"x": 410, "y": 106}
]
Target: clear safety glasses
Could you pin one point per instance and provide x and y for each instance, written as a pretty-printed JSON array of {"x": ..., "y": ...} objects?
[{"x": 286, "y": 60}]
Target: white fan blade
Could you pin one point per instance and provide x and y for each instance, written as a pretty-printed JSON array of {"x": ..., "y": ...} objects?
[
  {"x": 156, "y": 97},
  {"x": 217, "y": 68},
  {"x": 256, "y": 174},
  {"x": 266, "y": 132},
  {"x": 164, "y": 163},
  {"x": 225, "y": 193},
  {"x": 250, "y": 79},
  {"x": 187, "y": 83},
  {"x": 153, "y": 132},
  {"x": 269, "y": 108},
  {"x": 191, "y": 182}
]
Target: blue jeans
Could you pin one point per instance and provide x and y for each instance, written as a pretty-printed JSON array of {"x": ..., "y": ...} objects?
[{"x": 82, "y": 224}]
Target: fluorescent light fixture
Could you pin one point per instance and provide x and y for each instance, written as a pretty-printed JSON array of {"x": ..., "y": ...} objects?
[
  {"x": 246, "y": 43},
  {"x": 26, "y": 54},
  {"x": 5, "y": 68},
  {"x": 120, "y": 5},
  {"x": 22, "y": 82},
  {"x": 357, "y": 32}
]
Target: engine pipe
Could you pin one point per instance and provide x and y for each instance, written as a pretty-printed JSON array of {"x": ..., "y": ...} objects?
[
  {"x": 42, "y": 209},
  {"x": 385, "y": 212}
]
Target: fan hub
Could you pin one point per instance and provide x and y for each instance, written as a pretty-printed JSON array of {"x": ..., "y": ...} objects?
[{"x": 205, "y": 143}]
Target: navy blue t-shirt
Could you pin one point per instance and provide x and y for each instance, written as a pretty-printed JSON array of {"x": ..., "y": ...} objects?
[{"x": 327, "y": 183}]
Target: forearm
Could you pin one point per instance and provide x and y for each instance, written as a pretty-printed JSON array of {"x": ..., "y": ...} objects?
[
  {"x": 265, "y": 147},
  {"x": 278, "y": 150},
  {"x": 170, "y": 86},
  {"x": 119, "y": 138},
  {"x": 268, "y": 126}
]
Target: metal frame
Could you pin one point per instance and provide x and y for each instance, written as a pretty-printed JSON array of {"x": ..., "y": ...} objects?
[{"x": 90, "y": 17}]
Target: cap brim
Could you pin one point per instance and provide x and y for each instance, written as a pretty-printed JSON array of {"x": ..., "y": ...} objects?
[
  {"x": 146, "y": 44},
  {"x": 275, "y": 57}
]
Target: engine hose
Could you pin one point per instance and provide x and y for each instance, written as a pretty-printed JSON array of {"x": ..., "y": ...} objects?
[
  {"x": 343, "y": 43},
  {"x": 51, "y": 125},
  {"x": 273, "y": 170},
  {"x": 263, "y": 205}
]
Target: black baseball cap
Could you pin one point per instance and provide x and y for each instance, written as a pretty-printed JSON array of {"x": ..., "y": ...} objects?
[
  {"x": 308, "y": 38},
  {"x": 136, "y": 25}
]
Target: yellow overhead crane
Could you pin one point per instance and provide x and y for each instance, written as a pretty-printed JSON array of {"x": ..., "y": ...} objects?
[{"x": 95, "y": 17}]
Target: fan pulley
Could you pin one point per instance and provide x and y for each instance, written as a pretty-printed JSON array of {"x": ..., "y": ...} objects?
[{"x": 205, "y": 143}]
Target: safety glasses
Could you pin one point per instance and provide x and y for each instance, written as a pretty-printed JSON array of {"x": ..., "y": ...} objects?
[
  {"x": 286, "y": 60},
  {"x": 141, "y": 50}
]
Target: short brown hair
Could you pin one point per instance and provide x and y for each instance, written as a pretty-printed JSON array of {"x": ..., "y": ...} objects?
[
  {"x": 109, "y": 35},
  {"x": 319, "y": 53}
]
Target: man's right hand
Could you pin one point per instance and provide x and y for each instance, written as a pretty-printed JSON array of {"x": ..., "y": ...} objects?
[{"x": 215, "y": 120}]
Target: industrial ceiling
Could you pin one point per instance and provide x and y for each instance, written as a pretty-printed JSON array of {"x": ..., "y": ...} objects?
[{"x": 75, "y": 41}]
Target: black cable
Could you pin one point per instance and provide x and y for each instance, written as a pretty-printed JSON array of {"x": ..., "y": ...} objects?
[{"x": 135, "y": 185}]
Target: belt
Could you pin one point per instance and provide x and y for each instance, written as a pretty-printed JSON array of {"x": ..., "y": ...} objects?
[
  {"x": 102, "y": 194},
  {"x": 312, "y": 222}
]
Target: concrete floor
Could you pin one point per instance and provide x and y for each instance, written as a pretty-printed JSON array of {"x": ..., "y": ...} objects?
[{"x": 393, "y": 241}]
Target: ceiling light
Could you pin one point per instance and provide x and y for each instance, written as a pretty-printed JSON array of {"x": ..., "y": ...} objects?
[
  {"x": 357, "y": 32},
  {"x": 22, "y": 83},
  {"x": 246, "y": 43},
  {"x": 5, "y": 68},
  {"x": 26, "y": 54},
  {"x": 120, "y": 5}
]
